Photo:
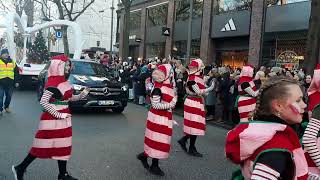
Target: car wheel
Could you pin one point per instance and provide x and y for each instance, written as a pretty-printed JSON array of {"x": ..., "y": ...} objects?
[{"x": 118, "y": 110}]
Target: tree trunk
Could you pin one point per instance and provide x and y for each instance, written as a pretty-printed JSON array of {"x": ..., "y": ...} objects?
[
  {"x": 65, "y": 40},
  {"x": 126, "y": 27},
  {"x": 312, "y": 49}
]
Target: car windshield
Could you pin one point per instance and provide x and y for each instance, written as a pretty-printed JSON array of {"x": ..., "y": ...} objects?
[{"x": 88, "y": 69}]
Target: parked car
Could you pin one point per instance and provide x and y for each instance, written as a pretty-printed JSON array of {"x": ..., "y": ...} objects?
[{"x": 105, "y": 91}]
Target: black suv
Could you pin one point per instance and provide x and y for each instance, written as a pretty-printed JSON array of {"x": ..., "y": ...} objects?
[{"x": 105, "y": 91}]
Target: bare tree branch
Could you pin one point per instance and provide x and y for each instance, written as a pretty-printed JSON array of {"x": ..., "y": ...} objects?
[{"x": 83, "y": 10}]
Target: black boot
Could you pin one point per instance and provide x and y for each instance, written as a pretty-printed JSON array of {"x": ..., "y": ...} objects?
[
  {"x": 183, "y": 142},
  {"x": 144, "y": 160},
  {"x": 192, "y": 149},
  {"x": 193, "y": 152},
  {"x": 17, "y": 173},
  {"x": 155, "y": 169},
  {"x": 66, "y": 176}
]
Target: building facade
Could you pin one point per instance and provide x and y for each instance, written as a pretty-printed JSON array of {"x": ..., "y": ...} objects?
[{"x": 225, "y": 32}]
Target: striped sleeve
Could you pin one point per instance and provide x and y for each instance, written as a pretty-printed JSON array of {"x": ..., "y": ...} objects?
[
  {"x": 310, "y": 140},
  {"x": 197, "y": 90},
  {"x": 80, "y": 96},
  {"x": 157, "y": 104},
  {"x": 49, "y": 107},
  {"x": 264, "y": 172},
  {"x": 251, "y": 92}
]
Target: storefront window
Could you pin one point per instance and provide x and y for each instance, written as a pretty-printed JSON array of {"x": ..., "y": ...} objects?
[
  {"x": 183, "y": 8},
  {"x": 233, "y": 59},
  {"x": 157, "y": 16},
  {"x": 135, "y": 20},
  {"x": 155, "y": 50},
  {"x": 180, "y": 49},
  {"x": 224, "y": 6},
  {"x": 282, "y": 2}
]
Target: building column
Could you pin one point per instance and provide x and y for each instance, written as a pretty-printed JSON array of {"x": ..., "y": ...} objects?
[
  {"x": 121, "y": 34},
  {"x": 170, "y": 24},
  {"x": 256, "y": 32},
  {"x": 142, "y": 47},
  {"x": 207, "y": 48}
]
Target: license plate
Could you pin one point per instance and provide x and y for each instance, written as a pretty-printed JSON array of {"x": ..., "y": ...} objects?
[{"x": 106, "y": 102}]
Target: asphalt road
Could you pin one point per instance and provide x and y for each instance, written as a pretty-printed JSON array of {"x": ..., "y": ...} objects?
[{"x": 105, "y": 146}]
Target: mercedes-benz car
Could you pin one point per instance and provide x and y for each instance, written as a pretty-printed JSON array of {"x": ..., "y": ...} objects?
[{"x": 105, "y": 91}]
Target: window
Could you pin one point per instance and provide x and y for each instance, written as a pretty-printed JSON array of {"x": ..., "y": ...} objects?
[
  {"x": 224, "y": 6},
  {"x": 282, "y": 2},
  {"x": 135, "y": 20},
  {"x": 157, "y": 16},
  {"x": 183, "y": 8}
]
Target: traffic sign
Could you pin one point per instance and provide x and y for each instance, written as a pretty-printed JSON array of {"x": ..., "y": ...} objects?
[
  {"x": 166, "y": 31},
  {"x": 58, "y": 34}
]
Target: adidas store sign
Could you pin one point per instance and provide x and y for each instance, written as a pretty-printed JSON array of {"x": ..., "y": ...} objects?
[{"x": 229, "y": 26}]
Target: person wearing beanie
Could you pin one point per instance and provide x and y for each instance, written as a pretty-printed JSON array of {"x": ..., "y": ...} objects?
[
  {"x": 246, "y": 101},
  {"x": 8, "y": 74},
  {"x": 53, "y": 139},
  {"x": 157, "y": 140},
  {"x": 194, "y": 110}
]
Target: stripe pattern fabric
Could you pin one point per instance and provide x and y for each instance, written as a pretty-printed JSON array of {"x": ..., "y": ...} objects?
[
  {"x": 194, "y": 113},
  {"x": 53, "y": 140},
  {"x": 157, "y": 141},
  {"x": 246, "y": 103},
  {"x": 248, "y": 140}
]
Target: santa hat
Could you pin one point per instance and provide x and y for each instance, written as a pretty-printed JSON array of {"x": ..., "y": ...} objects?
[
  {"x": 246, "y": 74},
  {"x": 314, "y": 89},
  {"x": 195, "y": 66},
  {"x": 162, "y": 73},
  {"x": 56, "y": 72}
]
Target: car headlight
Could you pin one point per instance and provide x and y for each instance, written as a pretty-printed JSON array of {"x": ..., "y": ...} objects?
[
  {"x": 78, "y": 87},
  {"x": 124, "y": 88}
]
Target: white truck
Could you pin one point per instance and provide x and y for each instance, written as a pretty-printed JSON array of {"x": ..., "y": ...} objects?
[{"x": 29, "y": 72}]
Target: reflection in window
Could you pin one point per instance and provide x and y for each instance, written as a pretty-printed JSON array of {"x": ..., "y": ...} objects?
[
  {"x": 232, "y": 5},
  {"x": 282, "y": 2},
  {"x": 183, "y": 8},
  {"x": 135, "y": 20},
  {"x": 180, "y": 48},
  {"x": 157, "y": 16},
  {"x": 155, "y": 50}
]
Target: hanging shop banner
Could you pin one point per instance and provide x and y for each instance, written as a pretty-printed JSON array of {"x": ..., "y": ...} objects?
[{"x": 289, "y": 59}]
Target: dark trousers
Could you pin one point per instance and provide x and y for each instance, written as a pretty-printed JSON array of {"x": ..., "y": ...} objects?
[
  {"x": 211, "y": 109},
  {"x": 5, "y": 92}
]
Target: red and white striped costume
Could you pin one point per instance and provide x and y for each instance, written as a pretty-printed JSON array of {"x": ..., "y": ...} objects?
[
  {"x": 246, "y": 143},
  {"x": 53, "y": 139},
  {"x": 194, "y": 112},
  {"x": 246, "y": 101},
  {"x": 157, "y": 141},
  {"x": 311, "y": 141}
]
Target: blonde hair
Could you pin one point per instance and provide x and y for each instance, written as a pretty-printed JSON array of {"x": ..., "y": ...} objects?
[{"x": 273, "y": 88}]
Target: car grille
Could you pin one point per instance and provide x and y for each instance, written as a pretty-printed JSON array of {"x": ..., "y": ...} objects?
[{"x": 105, "y": 91}]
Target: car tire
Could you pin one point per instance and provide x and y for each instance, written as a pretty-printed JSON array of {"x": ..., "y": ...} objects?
[{"x": 118, "y": 110}]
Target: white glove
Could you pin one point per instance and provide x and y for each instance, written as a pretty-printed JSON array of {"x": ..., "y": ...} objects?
[
  {"x": 65, "y": 115},
  {"x": 16, "y": 85}
]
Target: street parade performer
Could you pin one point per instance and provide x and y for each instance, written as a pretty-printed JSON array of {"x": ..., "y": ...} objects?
[
  {"x": 194, "y": 111},
  {"x": 246, "y": 101},
  {"x": 310, "y": 137},
  {"x": 53, "y": 139},
  {"x": 267, "y": 147},
  {"x": 157, "y": 141}
]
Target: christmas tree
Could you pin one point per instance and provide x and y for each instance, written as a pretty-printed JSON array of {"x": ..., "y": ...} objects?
[{"x": 38, "y": 52}]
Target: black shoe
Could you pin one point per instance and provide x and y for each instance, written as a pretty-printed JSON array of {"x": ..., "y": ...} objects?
[
  {"x": 66, "y": 176},
  {"x": 156, "y": 171},
  {"x": 17, "y": 173},
  {"x": 193, "y": 152},
  {"x": 183, "y": 145},
  {"x": 144, "y": 160}
]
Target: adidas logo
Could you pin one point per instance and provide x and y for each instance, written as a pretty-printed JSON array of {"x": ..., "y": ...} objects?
[{"x": 229, "y": 26}]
